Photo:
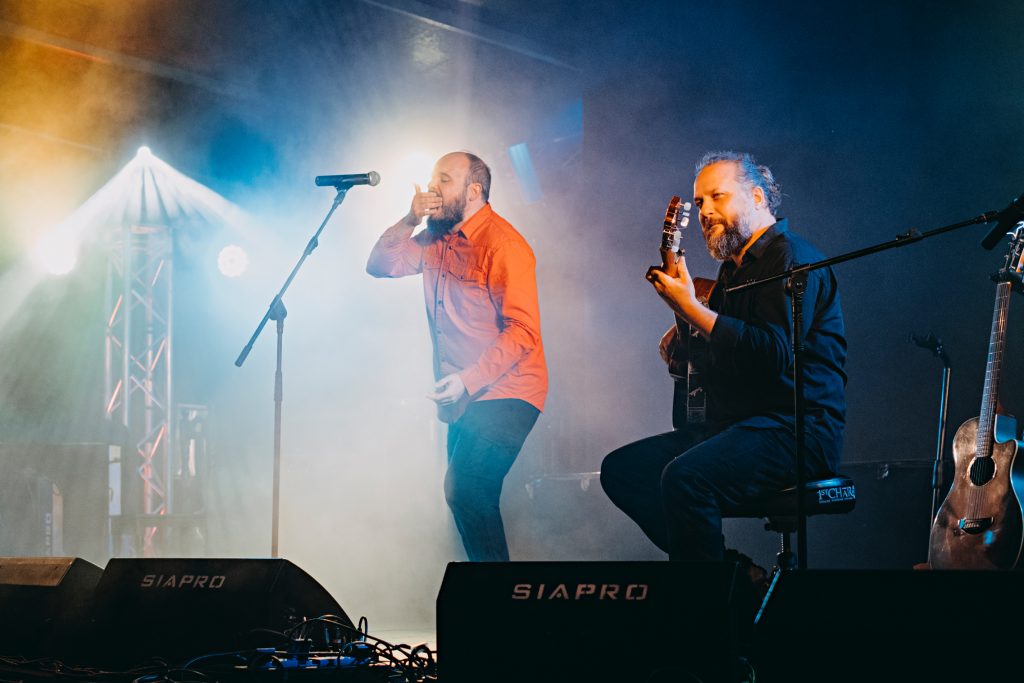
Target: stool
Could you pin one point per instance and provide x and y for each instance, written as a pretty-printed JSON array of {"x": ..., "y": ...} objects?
[{"x": 833, "y": 496}]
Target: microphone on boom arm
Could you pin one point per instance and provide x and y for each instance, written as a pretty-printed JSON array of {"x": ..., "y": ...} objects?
[{"x": 345, "y": 181}]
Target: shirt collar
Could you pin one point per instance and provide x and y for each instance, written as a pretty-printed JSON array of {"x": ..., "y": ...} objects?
[
  {"x": 767, "y": 237},
  {"x": 476, "y": 221}
]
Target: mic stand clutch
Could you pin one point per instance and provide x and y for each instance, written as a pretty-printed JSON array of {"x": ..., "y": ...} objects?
[
  {"x": 277, "y": 312},
  {"x": 796, "y": 285}
]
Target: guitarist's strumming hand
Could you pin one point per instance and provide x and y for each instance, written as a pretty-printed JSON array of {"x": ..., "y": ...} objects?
[
  {"x": 448, "y": 390},
  {"x": 681, "y": 296}
]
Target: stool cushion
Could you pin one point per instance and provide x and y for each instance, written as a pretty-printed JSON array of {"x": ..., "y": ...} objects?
[{"x": 835, "y": 495}]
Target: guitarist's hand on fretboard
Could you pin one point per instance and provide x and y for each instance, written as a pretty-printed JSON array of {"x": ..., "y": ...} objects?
[{"x": 678, "y": 292}]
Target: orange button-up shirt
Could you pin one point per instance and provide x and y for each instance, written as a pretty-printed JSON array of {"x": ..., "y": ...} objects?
[{"x": 480, "y": 289}]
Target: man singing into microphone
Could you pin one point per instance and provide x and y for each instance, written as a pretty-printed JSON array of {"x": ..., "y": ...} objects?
[{"x": 480, "y": 289}]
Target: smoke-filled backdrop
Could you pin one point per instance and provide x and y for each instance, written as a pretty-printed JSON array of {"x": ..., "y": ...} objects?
[{"x": 877, "y": 118}]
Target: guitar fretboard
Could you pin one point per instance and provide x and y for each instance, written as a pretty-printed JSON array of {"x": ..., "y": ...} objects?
[{"x": 996, "y": 347}]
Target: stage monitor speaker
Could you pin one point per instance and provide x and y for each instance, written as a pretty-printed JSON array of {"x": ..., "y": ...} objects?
[
  {"x": 43, "y": 603},
  {"x": 177, "y": 609},
  {"x": 600, "y": 621},
  {"x": 890, "y": 625}
]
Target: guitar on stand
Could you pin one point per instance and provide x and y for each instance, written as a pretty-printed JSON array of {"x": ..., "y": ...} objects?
[
  {"x": 979, "y": 525},
  {"x": 687, "y": 351}
]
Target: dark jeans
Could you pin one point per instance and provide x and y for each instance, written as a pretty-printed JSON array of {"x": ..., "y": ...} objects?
[
  {"x": 482, "y": 445},
  {"x": 678, "y": 489}
]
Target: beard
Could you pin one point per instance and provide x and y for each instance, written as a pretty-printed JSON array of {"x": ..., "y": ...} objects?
[
  {"x": 449, "y": 216},
  {"x": 731, "y": 240}
]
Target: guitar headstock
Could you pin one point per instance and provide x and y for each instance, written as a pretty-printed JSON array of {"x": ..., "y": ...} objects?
[
  {"x": 1015, "y": 256},
  {"x": 1013, "y": 269},
  {"x": 677, "y": 217}
]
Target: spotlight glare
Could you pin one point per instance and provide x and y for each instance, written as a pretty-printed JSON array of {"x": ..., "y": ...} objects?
[
  {"x": 232, "y": 261},
  {"x": 54, "y": 256},
  {"x": 413, "y": 168},
  {"x": 144, "y": 152}
]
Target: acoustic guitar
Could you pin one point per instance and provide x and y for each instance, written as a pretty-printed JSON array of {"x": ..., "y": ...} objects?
[
  {"x": 688, "y": 352},
  {"x": 979, "y": 525}
]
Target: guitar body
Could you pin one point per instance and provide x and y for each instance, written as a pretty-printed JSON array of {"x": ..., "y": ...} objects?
[{"x": 980, "y": 527}]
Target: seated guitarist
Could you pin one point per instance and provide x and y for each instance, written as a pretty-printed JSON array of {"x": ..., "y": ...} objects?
[
  {"x": 480, "y": 286},
  {"x": 679, "y": 485}
]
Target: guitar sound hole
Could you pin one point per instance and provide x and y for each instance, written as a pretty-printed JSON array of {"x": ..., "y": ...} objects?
[{"x": 982, "y": 470}]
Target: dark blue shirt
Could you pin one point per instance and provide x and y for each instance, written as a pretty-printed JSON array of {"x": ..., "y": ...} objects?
[{"x": 749, "y": 378}]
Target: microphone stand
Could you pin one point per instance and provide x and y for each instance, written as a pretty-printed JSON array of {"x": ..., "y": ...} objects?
[
  {"x": 934, "y": 344},
  {"x": 796, "y": 285},
  {"x": 277, "y": 312}
]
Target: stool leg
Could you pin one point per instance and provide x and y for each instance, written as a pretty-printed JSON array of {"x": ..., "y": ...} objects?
[{"x": 786, "y": 558}]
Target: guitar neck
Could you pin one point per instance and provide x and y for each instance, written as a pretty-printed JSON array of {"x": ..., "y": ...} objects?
[
  {"x": 996, "y": 347},
  {"x": 682, "y": 327}
]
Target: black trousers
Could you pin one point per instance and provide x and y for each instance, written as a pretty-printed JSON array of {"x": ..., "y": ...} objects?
[
  {"x": 482, "y": 445},
  {"x": 678, "y": 488}
]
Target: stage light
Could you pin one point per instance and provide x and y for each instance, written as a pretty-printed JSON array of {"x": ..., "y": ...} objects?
[
  {"x": 526, "y": 173},
  {"x": 415, "y": 167},
  {"x": 144, "y": 153},
  {"x": 232, "y": 261}
]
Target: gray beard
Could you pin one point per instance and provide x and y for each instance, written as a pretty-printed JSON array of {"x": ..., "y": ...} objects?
[{"x": 731, "y": 241}]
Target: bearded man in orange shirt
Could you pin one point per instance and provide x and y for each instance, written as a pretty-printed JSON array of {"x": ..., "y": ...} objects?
[{"x": 480, "y": 290}]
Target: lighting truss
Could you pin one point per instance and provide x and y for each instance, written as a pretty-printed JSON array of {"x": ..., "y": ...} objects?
[{"x": 139, "y": 342}]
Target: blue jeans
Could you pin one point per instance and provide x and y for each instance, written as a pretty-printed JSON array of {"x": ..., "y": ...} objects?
[
  {"x": 678, "y": 488},
  {"x": 482, "y": 445}
]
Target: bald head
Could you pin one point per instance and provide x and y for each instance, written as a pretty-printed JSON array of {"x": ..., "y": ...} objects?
[{"x": 476, "y": 171}]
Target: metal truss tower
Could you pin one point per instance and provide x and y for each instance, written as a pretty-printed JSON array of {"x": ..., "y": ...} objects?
[
  {"x": 143, "y": 216},
  {"x": 138, "y": 385}
]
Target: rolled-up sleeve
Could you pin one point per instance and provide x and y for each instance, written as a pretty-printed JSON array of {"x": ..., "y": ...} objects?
[{"x": 397, "y": 253}]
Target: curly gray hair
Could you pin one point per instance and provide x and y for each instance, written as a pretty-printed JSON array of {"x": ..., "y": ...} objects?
[{"x": 752, "y": 173}]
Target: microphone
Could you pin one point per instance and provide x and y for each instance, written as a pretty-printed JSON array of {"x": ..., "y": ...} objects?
[
  {"x": 1005, "y": 221},
  {"x": 343, "y": 182}
]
